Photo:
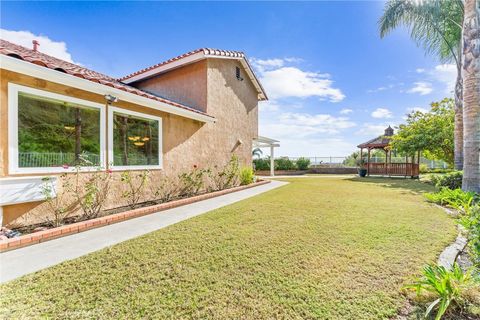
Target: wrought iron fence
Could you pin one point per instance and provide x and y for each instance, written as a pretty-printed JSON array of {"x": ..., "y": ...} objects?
[
  {"x": 58, "y": 159},
  {"x": 52, "y": 159},
  {"x": 343, "y": 161}
]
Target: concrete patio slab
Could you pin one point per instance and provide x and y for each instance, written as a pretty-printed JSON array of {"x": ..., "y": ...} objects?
[{"x": 19, "y": 262}]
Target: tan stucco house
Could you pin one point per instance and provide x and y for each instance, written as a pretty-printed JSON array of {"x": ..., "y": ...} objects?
[{"x": 195, "y": 109}]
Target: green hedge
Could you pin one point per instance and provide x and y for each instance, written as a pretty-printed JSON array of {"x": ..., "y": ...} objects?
[{"x": 282, "y": 164}]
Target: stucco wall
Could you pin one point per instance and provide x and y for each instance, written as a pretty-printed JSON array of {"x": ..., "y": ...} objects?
[
  {"x": 186, "y": 142},
  {"x": 187, "y": 85},
  {"x": 234, "y": 103}
]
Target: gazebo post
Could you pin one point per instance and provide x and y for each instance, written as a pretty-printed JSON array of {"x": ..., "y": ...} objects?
[
  {"x": 390, "y": 162},
  {"x": 411, "y": 167},
  {"x": 368, "y": 162},
  {"x": 386, "y": 161},
  {"x": 418, "y": 163}
]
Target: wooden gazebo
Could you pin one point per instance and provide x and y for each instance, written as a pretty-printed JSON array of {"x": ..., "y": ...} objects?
[{"x": 387, "y": 168}]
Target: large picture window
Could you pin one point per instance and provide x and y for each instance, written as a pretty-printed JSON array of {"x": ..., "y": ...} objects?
[
  {"x": 50, "y": 132},
  {"x": 135, "y": 140}
]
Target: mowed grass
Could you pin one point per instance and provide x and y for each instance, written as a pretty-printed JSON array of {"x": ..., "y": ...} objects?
[{"x": 320, "y": 247}]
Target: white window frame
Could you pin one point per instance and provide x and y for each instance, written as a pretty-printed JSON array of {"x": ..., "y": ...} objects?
[
  {"x": 13, "y": 165},
  {"x": 140, "y": 115}
]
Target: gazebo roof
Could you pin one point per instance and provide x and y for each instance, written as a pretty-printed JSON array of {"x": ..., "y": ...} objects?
[{"x": 379, "y": 142}]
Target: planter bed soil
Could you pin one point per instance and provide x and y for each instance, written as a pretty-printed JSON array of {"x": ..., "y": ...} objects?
[{"x": 108, "y": 217}]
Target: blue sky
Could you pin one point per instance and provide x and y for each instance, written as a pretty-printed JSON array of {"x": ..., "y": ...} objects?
[{"x": 332, "y": 81}]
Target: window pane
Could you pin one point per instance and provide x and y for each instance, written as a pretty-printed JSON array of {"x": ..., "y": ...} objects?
[
  {"x": 135, "y": 141},
  {"x": 52, "y": 133}
]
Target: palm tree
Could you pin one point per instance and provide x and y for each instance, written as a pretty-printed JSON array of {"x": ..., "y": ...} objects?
[
  {"x": 471, "y": 95},
  {"x": 257, "y": 152},
  {"x": 437, "y": 26}
]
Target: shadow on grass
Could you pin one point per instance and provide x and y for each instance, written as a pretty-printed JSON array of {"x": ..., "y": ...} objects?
[{"x": 405, "y": 184}]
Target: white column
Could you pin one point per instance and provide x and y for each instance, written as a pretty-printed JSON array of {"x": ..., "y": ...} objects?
[{"x": 272, "y": 162}]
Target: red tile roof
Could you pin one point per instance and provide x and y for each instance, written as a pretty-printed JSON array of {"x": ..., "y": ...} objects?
[
  {"x": 206, "y": 51},
  {"x": 38, "y": 58}
]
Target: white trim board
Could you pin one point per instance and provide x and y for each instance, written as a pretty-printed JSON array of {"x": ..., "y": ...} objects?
[
  {"x": 33, "y": 70},
  {"x": 140, "y": 115}
]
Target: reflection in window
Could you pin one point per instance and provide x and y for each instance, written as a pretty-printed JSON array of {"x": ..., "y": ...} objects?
[
  {"x": 135, "y": 140},
  {"x": 53, "y": 133}
]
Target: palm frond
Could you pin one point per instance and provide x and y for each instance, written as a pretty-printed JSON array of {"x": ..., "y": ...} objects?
[{"x": 434, "y": 25}]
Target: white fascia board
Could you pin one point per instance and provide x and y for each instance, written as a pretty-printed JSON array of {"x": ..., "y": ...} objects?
[
  {"x": 166, "y": 67},
  {"x": 261, "y": 92},
  {"x": 30, "y": 69}
]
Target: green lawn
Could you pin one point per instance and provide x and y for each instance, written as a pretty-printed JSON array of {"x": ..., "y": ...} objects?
[{"x": 320, "y": 247}]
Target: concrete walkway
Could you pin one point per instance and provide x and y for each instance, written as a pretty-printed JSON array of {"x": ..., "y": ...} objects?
[{"x": 16, "y": 263}]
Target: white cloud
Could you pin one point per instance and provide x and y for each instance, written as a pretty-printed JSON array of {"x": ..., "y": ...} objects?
[
  {"x": 307, "y": 134},
  {"x": 422, "y": 88},
  {"x": 446, "y": 74},
  {"x": 48, "y": 46},
  {"x": 300, "y": 133},
  {"x": 383, "y": 88},
  {"x": 372, "y": 129},
  {"x": 346, "y": 111},
  {"x": 377, "y": 89},
  {"x": 419, "y": 70},
  {"x": 267, "y": 63},
  {"x": 424, "y": 110},
  {"x": 313, "y": 147},
  {"x": 292, "y": 82},
  {"x": 321, "y": 123},
  {"x": 381, "y": 113},
  {"x": 282, "y": 80},
  {"x": 268, "y": 106}
]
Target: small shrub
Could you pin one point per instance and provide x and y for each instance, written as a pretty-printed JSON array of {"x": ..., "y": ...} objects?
[
  {"x": 303, "y": 163},
  {"x": 471, "y": 222},
  {"x": 226, "y": 176},
  {"x": 457, "y": 198},
  {"x": 446, "y": 285},
  {"x": 190, "y": 183},
  {"x": 246, "y": 176},
  {"x": 92, "y": 193},
  {"x": 284, "y": 164},
  {"x": 167, "y": 189},
  {"x": 58, "y": 203},
  {"x": 451, "y": 180},
  {"x": 135, "y": 186},
  {"x": 423, "y": 168}
]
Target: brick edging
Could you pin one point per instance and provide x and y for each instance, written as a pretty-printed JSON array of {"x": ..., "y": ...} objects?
[{"x": 53, "y": 233}]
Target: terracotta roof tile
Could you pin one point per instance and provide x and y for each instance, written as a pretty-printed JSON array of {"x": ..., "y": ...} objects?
[
  {"x": 208, "y": 51},
  {"x": 41, "y": 59}
]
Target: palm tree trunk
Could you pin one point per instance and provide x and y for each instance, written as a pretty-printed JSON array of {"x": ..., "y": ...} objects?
[
  {"x": 458, "y": 133},
  {"x": 471, "y": 96}
]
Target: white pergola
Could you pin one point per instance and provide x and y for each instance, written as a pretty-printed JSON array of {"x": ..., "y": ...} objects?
[{"x": 264, "y": 142}]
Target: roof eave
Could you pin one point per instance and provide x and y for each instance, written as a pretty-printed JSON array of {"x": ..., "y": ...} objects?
[
  {"x": 197, "y": 56},
  {"x": 30, "y": 69}
]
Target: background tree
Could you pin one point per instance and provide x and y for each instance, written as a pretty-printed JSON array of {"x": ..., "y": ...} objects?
[
  {"x": 431, "y": 132},
  {"x": 436, "y": 25},
  {"x": 471, "y": 98}
]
